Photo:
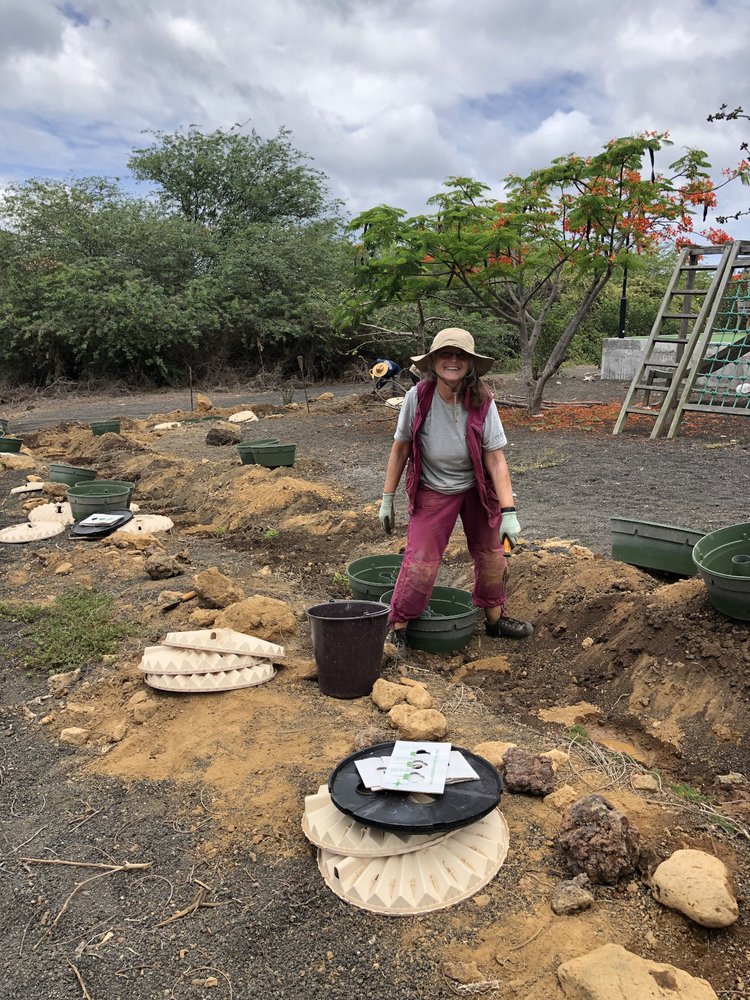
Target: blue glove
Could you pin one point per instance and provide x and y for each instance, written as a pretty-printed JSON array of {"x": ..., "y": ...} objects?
[
  {"x": 509, "y": 527},
  {"x": 387, "y": 514}
]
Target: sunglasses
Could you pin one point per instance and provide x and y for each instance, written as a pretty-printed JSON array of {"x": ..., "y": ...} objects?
[{"x": 445, "y": 355}]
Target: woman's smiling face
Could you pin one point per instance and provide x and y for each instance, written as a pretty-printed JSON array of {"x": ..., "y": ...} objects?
[{"x": 451, "y": 364}]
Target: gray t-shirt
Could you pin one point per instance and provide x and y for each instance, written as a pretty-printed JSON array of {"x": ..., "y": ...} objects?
[{"x": 446, "y": 464}]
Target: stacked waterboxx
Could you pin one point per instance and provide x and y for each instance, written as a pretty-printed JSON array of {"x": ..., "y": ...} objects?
[{"x": 209, "y": 660}]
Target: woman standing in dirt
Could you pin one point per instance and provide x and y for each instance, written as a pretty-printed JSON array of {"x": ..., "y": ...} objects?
[{"x": 450, "y": 433}]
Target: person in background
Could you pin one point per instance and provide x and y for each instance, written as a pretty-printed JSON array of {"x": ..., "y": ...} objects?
[
  {"x": 384, "y": 371},
  {"x": 449, "y": 432}
]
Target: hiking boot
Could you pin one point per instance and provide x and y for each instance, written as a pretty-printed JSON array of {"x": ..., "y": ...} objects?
[
  {"x": 397, "y": 638},
  {"x": 508, "y": 628}
]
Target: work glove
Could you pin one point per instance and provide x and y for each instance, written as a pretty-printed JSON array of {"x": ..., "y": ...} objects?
[
  {"x": 387, "y": 514},
  {"x": 510, "y": 528}
]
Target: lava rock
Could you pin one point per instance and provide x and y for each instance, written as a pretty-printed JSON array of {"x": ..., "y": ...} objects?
[
  {"x": 598, "y": 839},
  {"x": 528, "y": 772},
  {"x": 223, "y": 434},
  {"x": 572, "y": 896},
  {"x": 161, "y": 566}
]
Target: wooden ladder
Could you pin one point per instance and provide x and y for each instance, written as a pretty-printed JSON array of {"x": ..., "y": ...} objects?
[
  {"x": 689, "y": 305},
  {"x": 701, "y": 363}
]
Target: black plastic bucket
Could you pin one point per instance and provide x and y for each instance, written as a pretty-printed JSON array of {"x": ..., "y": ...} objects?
[{"x": 348, "y": 639}]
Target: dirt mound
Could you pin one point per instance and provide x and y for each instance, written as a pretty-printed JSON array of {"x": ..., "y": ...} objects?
[{"x": 654, "y": 656}]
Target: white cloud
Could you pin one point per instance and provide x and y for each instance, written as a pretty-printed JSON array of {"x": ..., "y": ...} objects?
[{"x": 388, "y": 97}]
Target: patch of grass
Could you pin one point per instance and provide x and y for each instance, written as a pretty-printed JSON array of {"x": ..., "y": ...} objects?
[
  {"x": 688, "y": 793},
  {"x": 578, "y": 734},
  {"x": 544, "y": 460},
  {"x": 221, "y": 531},
  {"x": 271, "y": 533},
  {"x": 73, "y": 630}
]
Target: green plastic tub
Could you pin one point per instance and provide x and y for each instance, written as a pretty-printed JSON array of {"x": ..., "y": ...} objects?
[
  {"x": 69, "y": 474},
  {"x": 271, "y": 456},
  {"x": 106, "y": 427},
  {"x": 372, "y": 576},
  {"x": 10, "y": 444},
  {"x": 717, "y": 557},
  {"x": 99, "y": 497},
  {"x": 654, "y": 546},
  {"x": 446, "y": 625},
  {"x": 245, "y": 449}
]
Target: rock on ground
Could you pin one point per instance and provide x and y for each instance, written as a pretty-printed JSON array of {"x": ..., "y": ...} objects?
[
  {"x": 572, "y": 896},
  {"x": 161, "y": 566},
  {"x": 418, "y": 723},
  {"x": 60, "y": 684},
  {"x": 386, "y": 694},
  {"x": 612, "y": 972},
  {"x": 223, "y": 434},
  {"x": 697, "y": 884},
  {"x": 217, "y": 590},
  {"x": 494, "y": 752},
  {"x": 598, "y": 839},
  {"x": 264, "y": 617},
  {"x": 528, "y": 772}
]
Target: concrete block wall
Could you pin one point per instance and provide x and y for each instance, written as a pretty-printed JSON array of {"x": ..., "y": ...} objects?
[{"x": 621, "y": 357}]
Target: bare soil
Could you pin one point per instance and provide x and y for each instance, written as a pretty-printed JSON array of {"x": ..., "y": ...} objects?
[{"x": 208, "y": 792}]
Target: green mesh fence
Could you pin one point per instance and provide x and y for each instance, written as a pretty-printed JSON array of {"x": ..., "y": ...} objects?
[{"x": 724, "y": 374}]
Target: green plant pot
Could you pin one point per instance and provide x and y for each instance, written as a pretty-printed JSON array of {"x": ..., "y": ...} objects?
[
  {"x": 446, "y": 625},
  {"x": 372, "y": 576},
  {"x": 106, "y": 427},
  {"x": 99, "y": 497},
  {"x": 271, "y": 456},
  {"x": 654, "y": 546},
  {"x": 69, "y": 474},
  {"x": 10, "y": 444},
  {"x": 715, "y": 555},
  {"x": 245, "y": 449}
]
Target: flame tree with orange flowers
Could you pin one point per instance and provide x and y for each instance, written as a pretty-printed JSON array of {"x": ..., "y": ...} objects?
[{"x": 566, "y": 228}]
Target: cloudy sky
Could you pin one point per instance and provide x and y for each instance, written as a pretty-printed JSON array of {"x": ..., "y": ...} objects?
[{"x": 389, "y": 98}]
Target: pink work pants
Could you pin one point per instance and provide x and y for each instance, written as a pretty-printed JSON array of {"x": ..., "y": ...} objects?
[{"x": 429, "y": 530}]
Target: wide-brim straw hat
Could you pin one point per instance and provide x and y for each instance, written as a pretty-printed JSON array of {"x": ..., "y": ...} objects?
[
  {"x": 379, "y": 370},
  {"x": 454, "y": 336}
]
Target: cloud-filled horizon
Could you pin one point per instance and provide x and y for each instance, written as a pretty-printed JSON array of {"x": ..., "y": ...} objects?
[{"x": 387, "y": 98}]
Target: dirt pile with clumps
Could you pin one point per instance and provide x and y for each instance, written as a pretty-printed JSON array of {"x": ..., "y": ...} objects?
[{"x": 655, "y": 656}]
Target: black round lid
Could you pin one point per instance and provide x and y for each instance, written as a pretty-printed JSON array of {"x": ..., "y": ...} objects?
[{"x": 402, "y": 812}]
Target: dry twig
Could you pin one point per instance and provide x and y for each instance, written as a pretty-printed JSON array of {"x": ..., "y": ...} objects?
[
  {"x": 84, "y": 992},
  {"x": 198, "y": 903}
]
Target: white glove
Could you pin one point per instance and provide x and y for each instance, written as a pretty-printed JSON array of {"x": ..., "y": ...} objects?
[
  {"x": 509, "y": 527},
  {"x": 387, "y": 514}
]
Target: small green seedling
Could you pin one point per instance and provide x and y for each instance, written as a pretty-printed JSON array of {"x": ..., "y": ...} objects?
[
  {"x": 578, "y": 734},
  {"x": 271, "y": 533},
  {"x": 688, "y": 793}
]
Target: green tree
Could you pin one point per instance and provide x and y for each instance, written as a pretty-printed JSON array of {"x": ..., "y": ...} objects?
[
  {"x": 274, "y": 289},
  {"x": 94, "y": 282},
  {"x": 226, "y": 180},
  {"x": 563, "y": 230}
]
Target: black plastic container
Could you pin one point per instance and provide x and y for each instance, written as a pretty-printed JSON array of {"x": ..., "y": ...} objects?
[{"x": 348, "y": 639}]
